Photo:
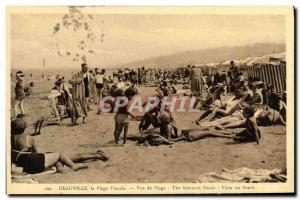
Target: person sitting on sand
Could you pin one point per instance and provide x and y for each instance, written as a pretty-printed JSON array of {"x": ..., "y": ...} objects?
[
  {"x": 172, "y": 87},
  {"x": 164, "y": 88},
  {"x": 165, "y": 128},
  {"x": 256, "y": 97},
  {"x": 167, "y": 133},
  {"x": 234, "y": 120},
  {"x": 162, "y": 134},
  {"x": 220, "y": 108},
  {"x": 230, "y": 107},
  {"x": 214, "y": 100},
  {"x": 25, "y": 152},
  {"x": 151, "y": 117},
  {"x": 277, "y": 104}
]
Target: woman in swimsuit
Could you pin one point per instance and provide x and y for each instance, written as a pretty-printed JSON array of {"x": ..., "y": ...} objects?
[
  {"x": 25, "y": 153},
  {"x": 269, "y": 117}
]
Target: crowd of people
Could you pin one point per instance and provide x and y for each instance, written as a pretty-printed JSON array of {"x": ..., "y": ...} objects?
[{"x": 227, "y": 99}]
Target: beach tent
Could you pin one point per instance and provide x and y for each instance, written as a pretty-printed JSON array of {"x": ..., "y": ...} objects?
[{"x": 270, "y": 72}]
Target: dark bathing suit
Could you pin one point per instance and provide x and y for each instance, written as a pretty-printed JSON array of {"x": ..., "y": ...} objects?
[
  {"x": 19, "y": 91},
  {"x": 30, "y": 161},
  {"x": 86, "y": 86}
]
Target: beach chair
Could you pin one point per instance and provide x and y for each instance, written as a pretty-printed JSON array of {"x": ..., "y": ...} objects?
[
  {"x": 54, "y": 94},
  {"x": 64, "y": 108}
]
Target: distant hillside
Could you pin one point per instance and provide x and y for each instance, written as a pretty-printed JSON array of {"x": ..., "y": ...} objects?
[{"x": 209, "y": 55}]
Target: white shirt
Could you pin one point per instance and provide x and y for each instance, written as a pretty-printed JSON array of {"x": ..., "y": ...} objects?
[{"x": 99, "y": 78}]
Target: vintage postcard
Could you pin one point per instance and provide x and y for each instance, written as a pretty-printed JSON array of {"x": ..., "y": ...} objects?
[{"x": 150, "y": 100}]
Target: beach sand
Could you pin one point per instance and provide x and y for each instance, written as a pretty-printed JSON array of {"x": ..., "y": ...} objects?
[{"x": 180, "y": 162}]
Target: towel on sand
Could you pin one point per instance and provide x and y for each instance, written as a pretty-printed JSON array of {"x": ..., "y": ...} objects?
[
  {"x": 29, "y": 178},
  {"x": 243, "y": 175}
]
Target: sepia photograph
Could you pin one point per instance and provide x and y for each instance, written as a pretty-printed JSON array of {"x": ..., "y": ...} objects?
[{"x": 149, "y": 100}]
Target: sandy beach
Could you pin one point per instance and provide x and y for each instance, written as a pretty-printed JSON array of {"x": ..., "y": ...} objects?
[{"x": 180, "y": 162}]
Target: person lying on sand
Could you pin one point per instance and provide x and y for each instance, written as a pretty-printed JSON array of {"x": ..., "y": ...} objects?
[
  {"x": 269, "y": 117},
  {"x": 25, "y": 152},
  {"x": 251, "y": 133},
  {"x": 233, "y": 121},
  {"x": 166, "y": 134},
  {"x": 228, "y": 109},
  {"x": 265, "y": 116},
  {"x": 162, "y": 134}
]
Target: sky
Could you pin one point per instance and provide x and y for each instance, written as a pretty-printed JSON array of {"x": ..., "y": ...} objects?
[{"x": 128, "y": 38}]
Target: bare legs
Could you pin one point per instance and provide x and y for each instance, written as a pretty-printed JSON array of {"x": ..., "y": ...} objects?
[
  {"x": 67, "y": 161},
  {"x": 100, "y": 92},
  {"x": 215, "y": 112},
  {"x": 200, "y": 133},
  {"x": 125, "y": 132},
  {"x": 235, "y": 124},
  {"x": 59, "y": 160},
  {"x": 204, "y": 115},
  {"x": 73, "y": 161},
  {"x": 18, "y": 107},
  {"x": 147, "y": 120},
  {"x": 234, "y": 121},
  {"x": 197, "y": 135},
  {"x": 80, "y": 157},
  {"x": 118, "y": 130}
]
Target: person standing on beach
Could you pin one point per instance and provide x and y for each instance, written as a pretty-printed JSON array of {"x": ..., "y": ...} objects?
[
  {"x": 80, "y": 84},
  {"x": 139, "y": 77},
  {"x": 99, "y": 80},
  {"x": 196, "y": 81},
  {"x": 85, "y": 81},
  {"x": 121, "y": 117},
  {"x": 20, "y": 94}
]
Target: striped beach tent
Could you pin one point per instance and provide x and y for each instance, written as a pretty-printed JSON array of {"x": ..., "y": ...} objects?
[
  {"x": 272, "y": 73},
  {"x": 254, "y": 72}
]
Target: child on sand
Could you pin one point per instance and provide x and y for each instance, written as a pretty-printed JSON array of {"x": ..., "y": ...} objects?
[{"x": 121, "y": 117}]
